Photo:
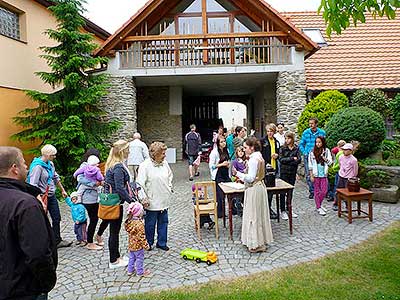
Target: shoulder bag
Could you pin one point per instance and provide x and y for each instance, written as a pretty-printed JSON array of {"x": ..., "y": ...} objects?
[{"x": 109, "y": 205}]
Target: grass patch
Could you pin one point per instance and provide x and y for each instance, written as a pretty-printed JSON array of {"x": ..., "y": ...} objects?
[{"x": 370, "y": 270}]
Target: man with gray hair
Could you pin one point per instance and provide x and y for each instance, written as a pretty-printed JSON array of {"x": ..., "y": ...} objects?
[
  {"x": 138, "y": 152},
  {"x": 43, "y": 175},
  {"x": 28, "y": 252}
]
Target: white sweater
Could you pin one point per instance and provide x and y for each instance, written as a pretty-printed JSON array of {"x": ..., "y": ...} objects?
[
  {"x": 157, "y": 183},
  {"x": 213, "y": 162}
]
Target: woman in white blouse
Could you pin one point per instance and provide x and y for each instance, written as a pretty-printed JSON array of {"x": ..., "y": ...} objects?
[
  {"x": 256, "y": 225},
  {"x": 155, "y": 176}
]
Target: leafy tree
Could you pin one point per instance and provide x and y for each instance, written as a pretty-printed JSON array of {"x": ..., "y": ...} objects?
[
  {"x": 70, "y": 118},
  {"x": 373, "y": 98},
  {"x": 323, "y": 107},
  {"x": 395, "y": 110},
  {"x": 339, "y": 13}
]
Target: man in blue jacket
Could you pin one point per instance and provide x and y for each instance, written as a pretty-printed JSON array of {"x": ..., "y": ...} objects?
[
  {"x": 28, "y": 253},
  {"x": 306, "y": 145}
]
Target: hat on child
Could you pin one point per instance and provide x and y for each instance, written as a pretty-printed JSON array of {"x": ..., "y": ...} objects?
[
  {"x": 341, "y": 143},
  {"x": 74, "y": 194},
  {"x": 347, "y": 146},
  {"x": 135, "y": 209},
  {"x": 93, "y": 160}
]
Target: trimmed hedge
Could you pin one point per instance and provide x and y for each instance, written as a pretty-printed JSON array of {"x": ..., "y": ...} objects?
[
  {"x": 357, "y": 123},
  {"x": 373, "y": 98},
  {"x": 323, "y": 107},
  {"x": 395, "y": 110}
]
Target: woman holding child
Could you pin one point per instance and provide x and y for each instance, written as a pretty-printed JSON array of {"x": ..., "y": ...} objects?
[
  {"x": 256, "y": 226},
  {"x": 155, "y": 176},
  {"x": 87, "y": 190}
]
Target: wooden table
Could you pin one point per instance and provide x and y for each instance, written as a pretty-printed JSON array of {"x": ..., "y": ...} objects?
[
  {"x": 349, "y": 197},
  {"x": 281, "y": 187}
]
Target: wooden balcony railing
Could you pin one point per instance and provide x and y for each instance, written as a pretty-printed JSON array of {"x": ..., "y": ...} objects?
[{"x": 200, "y": 50}]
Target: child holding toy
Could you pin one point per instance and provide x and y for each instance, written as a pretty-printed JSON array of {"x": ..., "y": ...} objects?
[
  {"x": 137, "y": 242},
  {"x": 78, "y": 213}
]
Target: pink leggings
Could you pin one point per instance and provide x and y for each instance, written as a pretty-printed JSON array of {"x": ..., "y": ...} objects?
[{"x": 320, "y": 190}]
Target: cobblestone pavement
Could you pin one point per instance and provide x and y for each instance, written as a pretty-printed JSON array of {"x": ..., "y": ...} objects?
[{"x": 84, "y": 274}]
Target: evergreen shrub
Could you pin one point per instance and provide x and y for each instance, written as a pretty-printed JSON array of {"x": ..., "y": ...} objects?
[
  {"x": 373, "y": 98},
  {"x": 395, "y": 111},
  {"x": 357, "y": 123},
  {"x": 323, "y": 107}
]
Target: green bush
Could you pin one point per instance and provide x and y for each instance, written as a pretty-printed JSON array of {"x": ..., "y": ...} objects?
[
  {"x": 393, "y": 162},
  {"x": 323, "y": 107},
  {"x": 390, "y": 149},
  {"x": 371, "y": 161},
  {"x": 373, "y": 98},
  {"x": 394, "y": 106},
  {"x": 357, "y": 123},
  {"x": 377, "y": 178}
]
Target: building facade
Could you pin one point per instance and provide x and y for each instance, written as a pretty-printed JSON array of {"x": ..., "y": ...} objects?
[{"x": 173, "y": 61}]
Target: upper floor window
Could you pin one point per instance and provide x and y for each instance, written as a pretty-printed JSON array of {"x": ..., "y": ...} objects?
[
  {"x": 9, "y": 23},
  {"x": 315, "y": 35}
]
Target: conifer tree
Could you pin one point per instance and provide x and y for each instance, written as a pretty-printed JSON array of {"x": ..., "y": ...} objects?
[{"x": 70, "y": 118}]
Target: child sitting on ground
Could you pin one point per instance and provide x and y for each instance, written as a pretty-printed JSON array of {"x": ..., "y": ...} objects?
[
  {"x": 137, "y": 243},
  {"x": 203, "y": 218},
  {"x": 91, "y": 171},
  {"x": 78, "y": 213}
]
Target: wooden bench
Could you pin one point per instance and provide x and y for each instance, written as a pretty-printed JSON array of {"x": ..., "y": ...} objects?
[{"x": 349, "y": 197}]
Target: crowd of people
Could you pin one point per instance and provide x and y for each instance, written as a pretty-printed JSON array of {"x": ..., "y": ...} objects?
[{"x": 142, "y": 178}]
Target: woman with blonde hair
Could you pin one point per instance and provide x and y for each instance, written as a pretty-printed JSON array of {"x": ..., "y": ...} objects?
[
  {"x": 117, "y": 180},
  {"x": 155, "y": 176}
]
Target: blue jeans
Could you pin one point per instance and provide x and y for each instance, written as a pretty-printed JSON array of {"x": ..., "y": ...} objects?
[
  {"x": 159, "y": 218},
  {"x": 307, "y": 171},
  {"x": 80, "y": 231},
  {"x": 332, "y": 192},
  {"x": 54, "y": 210}
]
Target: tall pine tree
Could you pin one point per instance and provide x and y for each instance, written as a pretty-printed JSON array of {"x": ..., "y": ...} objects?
[{"x": 71, "y": 117}]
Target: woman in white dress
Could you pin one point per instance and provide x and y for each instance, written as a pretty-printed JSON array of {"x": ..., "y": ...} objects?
[{"x": 256, "y": 225}]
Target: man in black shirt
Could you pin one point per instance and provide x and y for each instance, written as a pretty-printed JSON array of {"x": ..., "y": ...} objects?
[
  {"x": 28, "y": 253},
  {"x": 192, "y": 149}
]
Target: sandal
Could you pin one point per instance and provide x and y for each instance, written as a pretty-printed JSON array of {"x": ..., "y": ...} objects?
[
  {"x": 93, "y": 246},
  {"x": 99, "y": 240},
  {"x": 145, "y": 273}
]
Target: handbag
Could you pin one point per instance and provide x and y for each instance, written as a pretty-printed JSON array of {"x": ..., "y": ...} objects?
[{"x": 109, "y": 205}]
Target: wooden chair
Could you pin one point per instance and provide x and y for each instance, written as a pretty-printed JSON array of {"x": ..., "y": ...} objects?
[{"x": 205, "y": 203}]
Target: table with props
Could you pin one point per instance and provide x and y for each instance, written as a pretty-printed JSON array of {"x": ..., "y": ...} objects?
[{"x": 232, "y": 190}]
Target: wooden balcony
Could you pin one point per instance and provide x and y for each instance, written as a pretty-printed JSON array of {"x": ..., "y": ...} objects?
[{"x": 203, "y": 50}]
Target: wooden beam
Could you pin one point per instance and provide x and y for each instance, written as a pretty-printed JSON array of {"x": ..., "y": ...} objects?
[{"x": 204, "y": 36}]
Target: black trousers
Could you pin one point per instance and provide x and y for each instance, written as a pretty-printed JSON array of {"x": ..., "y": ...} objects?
[
  {"x": 291, "y": 179},
  {"x": 113, "y": 240},
  {"x": 92, "y": 210}
]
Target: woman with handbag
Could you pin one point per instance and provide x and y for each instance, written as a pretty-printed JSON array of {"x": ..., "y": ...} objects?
[
  {"x": 155, "y": 176},
  {"x": 116, "y": 182}
]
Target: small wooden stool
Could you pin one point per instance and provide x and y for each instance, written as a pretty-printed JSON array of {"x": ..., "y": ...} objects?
[{"x": 349, "y": 197}]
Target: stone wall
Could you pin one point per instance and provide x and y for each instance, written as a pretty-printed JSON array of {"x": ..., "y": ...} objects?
[
  {"x": 154, "y": 121},
  {"x": 120, "y": 105},
  {"x": 290, "y": 97}
]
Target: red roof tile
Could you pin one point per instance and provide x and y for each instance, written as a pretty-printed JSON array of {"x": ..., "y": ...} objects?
[{"x": 366, "y": 56}]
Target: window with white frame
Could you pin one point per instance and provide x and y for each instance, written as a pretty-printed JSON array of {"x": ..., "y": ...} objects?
[
  {"x": 9, "y": 23},
  {"x": 315, "y": 35}
]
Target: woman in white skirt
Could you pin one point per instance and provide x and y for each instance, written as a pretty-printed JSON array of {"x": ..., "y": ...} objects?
[{"x": 256, "y": 225}]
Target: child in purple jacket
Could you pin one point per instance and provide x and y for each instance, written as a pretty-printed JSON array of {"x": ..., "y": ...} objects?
[{"x": 91, "y": 171}]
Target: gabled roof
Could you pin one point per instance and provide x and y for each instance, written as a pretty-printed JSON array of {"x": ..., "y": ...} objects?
[
  {"x": 164, "y": 6},
  {"x": 366, "y": 56},
  {"x": 89, "y": 25}
]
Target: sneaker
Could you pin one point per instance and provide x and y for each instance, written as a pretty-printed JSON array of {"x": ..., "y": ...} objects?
[
  {"x": 145, "y": 273},
  {"x": 165, "y": 248},
  {"x": 294, "y": 215},
  {"x": 124, "y": 258},
  {"x": 285, "y": 215},
  {"x": 335, "y": 207},
  {"x": 311, "y": 196},
  {"x": 321, "y": 212},
  {"x": 191, "y": 178},
  {"x": 324, "y": 209},
  {"x": 211, "y": 225},
  {"x": 197, "y": 174},
  {"x": 131, "y": 273},
  {"x": 330, "y": 199},
  {"x": 78, "y": 243},
  {"x": 118, "y": 264},
  {"x": 63, "y": 244}
]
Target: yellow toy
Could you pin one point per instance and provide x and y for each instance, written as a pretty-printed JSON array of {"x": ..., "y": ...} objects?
[{"x": 199, "y": 256}]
